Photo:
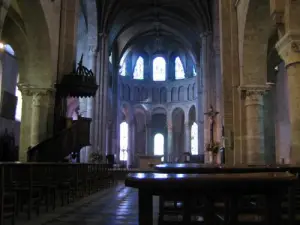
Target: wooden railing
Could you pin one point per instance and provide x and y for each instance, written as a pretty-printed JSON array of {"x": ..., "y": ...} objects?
[{"x": 71, "y": 139}]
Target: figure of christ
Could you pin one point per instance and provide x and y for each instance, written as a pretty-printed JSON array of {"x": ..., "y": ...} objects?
[{"x": 212, "y": 115}]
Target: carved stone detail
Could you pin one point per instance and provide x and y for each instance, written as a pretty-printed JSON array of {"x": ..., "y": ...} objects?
[
  {"x": 289, "y": 48},
  {"x": 253, "y": 93},
  {"x": 29, "y": 90}
]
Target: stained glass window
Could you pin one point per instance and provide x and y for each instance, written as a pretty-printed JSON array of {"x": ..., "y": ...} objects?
[
  {"x": 159, "y": 69},
  {"x": 179, "y": 71},
  {"x": 194, "y": 139},
  {"x": 138, "y": 72},
  {"x": 159, "y": 144},
  {"x": 123, "y": 141}
]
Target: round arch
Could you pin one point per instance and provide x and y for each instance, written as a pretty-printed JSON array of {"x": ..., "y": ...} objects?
[{"x": 256, "y": 34}]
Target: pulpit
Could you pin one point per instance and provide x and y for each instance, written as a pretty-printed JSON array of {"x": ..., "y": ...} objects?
[{"x": 147, "y": 161}]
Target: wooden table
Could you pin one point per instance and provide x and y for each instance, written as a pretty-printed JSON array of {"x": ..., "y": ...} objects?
[
  {"x": 207, "y": 168},
  {"x": 271, "y": 185}
]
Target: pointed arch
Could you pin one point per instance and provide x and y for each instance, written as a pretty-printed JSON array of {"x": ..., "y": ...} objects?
[
  {"x": 179, "y": 70},
  {"x": 138, "y": 72},
  {"x": 159, "y": 69}
]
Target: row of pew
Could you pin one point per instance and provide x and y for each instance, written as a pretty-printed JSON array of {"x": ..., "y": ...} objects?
[
  {"x": 26, "y": 188},
  {"x": 218, "y": 194},
  {"x": 250, "y": 208}
]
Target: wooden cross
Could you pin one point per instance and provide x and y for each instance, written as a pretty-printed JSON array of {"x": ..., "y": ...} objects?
[{"x": 211, "y": 115}]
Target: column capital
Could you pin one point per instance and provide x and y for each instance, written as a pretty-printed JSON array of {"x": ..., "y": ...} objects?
[
  {"x": 288, "y": 48},
  {"x": 30, "y": 90},
  {"x": 253, "y": 93}
]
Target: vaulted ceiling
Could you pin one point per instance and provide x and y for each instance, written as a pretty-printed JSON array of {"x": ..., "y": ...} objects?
[{"x": 178, "y": 21}]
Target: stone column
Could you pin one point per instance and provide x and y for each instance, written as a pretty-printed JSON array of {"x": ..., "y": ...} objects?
[
  {"x": 101, "y": 98},
  {"x": 149, "y": 140},
  {"x": 199, "y": 111},
  {"x": 132, "y": 142},
  {"x": 41, "y": 97},
  {"x": 254, "y": 122},
  {"x": 116, "y": 93},
  {"x": 289, "y": 50},
  {"x": 25, "y": 130},
  {"x": 169, "y": 150},
  {"x": 206, "y": 40},
  {"x": 187, "y": 137}
]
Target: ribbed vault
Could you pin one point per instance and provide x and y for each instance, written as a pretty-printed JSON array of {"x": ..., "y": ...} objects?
[{"x": 177, "y": 21}]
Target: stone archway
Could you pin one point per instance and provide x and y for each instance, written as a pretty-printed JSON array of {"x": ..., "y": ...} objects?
[
  {"x": 253, "y": 67},
  {"x": 30, "y": 38},
  {"x": 257, "y": 29}
]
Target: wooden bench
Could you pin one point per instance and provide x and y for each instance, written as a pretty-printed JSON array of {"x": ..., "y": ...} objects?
[
  {"x": 38, "y": 185},
  {"x": 273, "y": 186},
  {"x": 292, "y": 195}
]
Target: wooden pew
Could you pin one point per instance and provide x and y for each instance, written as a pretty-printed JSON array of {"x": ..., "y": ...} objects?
[
  {"x": 195, "y": 168},
  {"x": 38, "y": 185},
  {"x": 273, "y": 186},
  {"x": 7, "y": 201}
]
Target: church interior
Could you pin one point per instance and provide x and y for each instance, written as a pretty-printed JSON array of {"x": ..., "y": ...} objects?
[{"x": 149, "y": 112}]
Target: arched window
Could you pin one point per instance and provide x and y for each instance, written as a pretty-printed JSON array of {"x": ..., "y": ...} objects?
[
  {"x": 110, "y": 58},
  {"x": 123, "y": 141},
  {"x": 159, "y": 144},
  {"x": 18, "y": 113},
  {"x": 159, "y": 69},
  {"x": 179, "y": 71},
  {"x": 7, "y": 48},
  {"x": 122, "y": 70},
  {"x": 194, "y": 71},
  {"x": 138, "y": 72},
  {"x": 194, "y": 139}
]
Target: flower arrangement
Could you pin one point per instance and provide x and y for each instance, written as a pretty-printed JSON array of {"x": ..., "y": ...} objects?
[
  {"x": 213, "y": 147},
  {"x": 96, "y": 157}
]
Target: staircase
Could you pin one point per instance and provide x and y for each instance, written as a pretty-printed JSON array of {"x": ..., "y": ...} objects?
[{"x": 71, "y": 139}]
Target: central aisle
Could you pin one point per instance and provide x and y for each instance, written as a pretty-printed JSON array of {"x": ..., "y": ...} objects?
[{"x": 115, "y": 206}]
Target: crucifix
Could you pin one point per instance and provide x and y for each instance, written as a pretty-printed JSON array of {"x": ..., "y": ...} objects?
[{"x": 211, "y": 115}]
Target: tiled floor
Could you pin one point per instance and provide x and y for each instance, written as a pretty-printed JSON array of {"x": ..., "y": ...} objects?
[{"x": 114, "y": 206}]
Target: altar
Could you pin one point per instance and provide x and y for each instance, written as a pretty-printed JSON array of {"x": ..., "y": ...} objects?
[{"x": 148, "y": 161}]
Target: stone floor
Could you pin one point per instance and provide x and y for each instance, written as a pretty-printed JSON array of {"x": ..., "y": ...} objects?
[{"x": 114, "y": 206}]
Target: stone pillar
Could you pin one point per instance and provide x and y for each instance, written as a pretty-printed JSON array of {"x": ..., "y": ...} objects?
[
  {"x": 289, "y": 50},
  {"x": 169, "y": 150},
  {"x": 40, "y": 108},
  {"x": 25, "y": 130},
  {"x": 199, "y": 111},
  {"x": 206, "y": 40},
  {"x": 101, "y": 98},
  {"x": 132, "y": 142},
  {"x": 116, "y": 94},
  {"x": 149, "y": 140},
  {"x": 254, "y": 122},
  {"x": 187, "y": 137},
  {"x": 37, "y": 117}
]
